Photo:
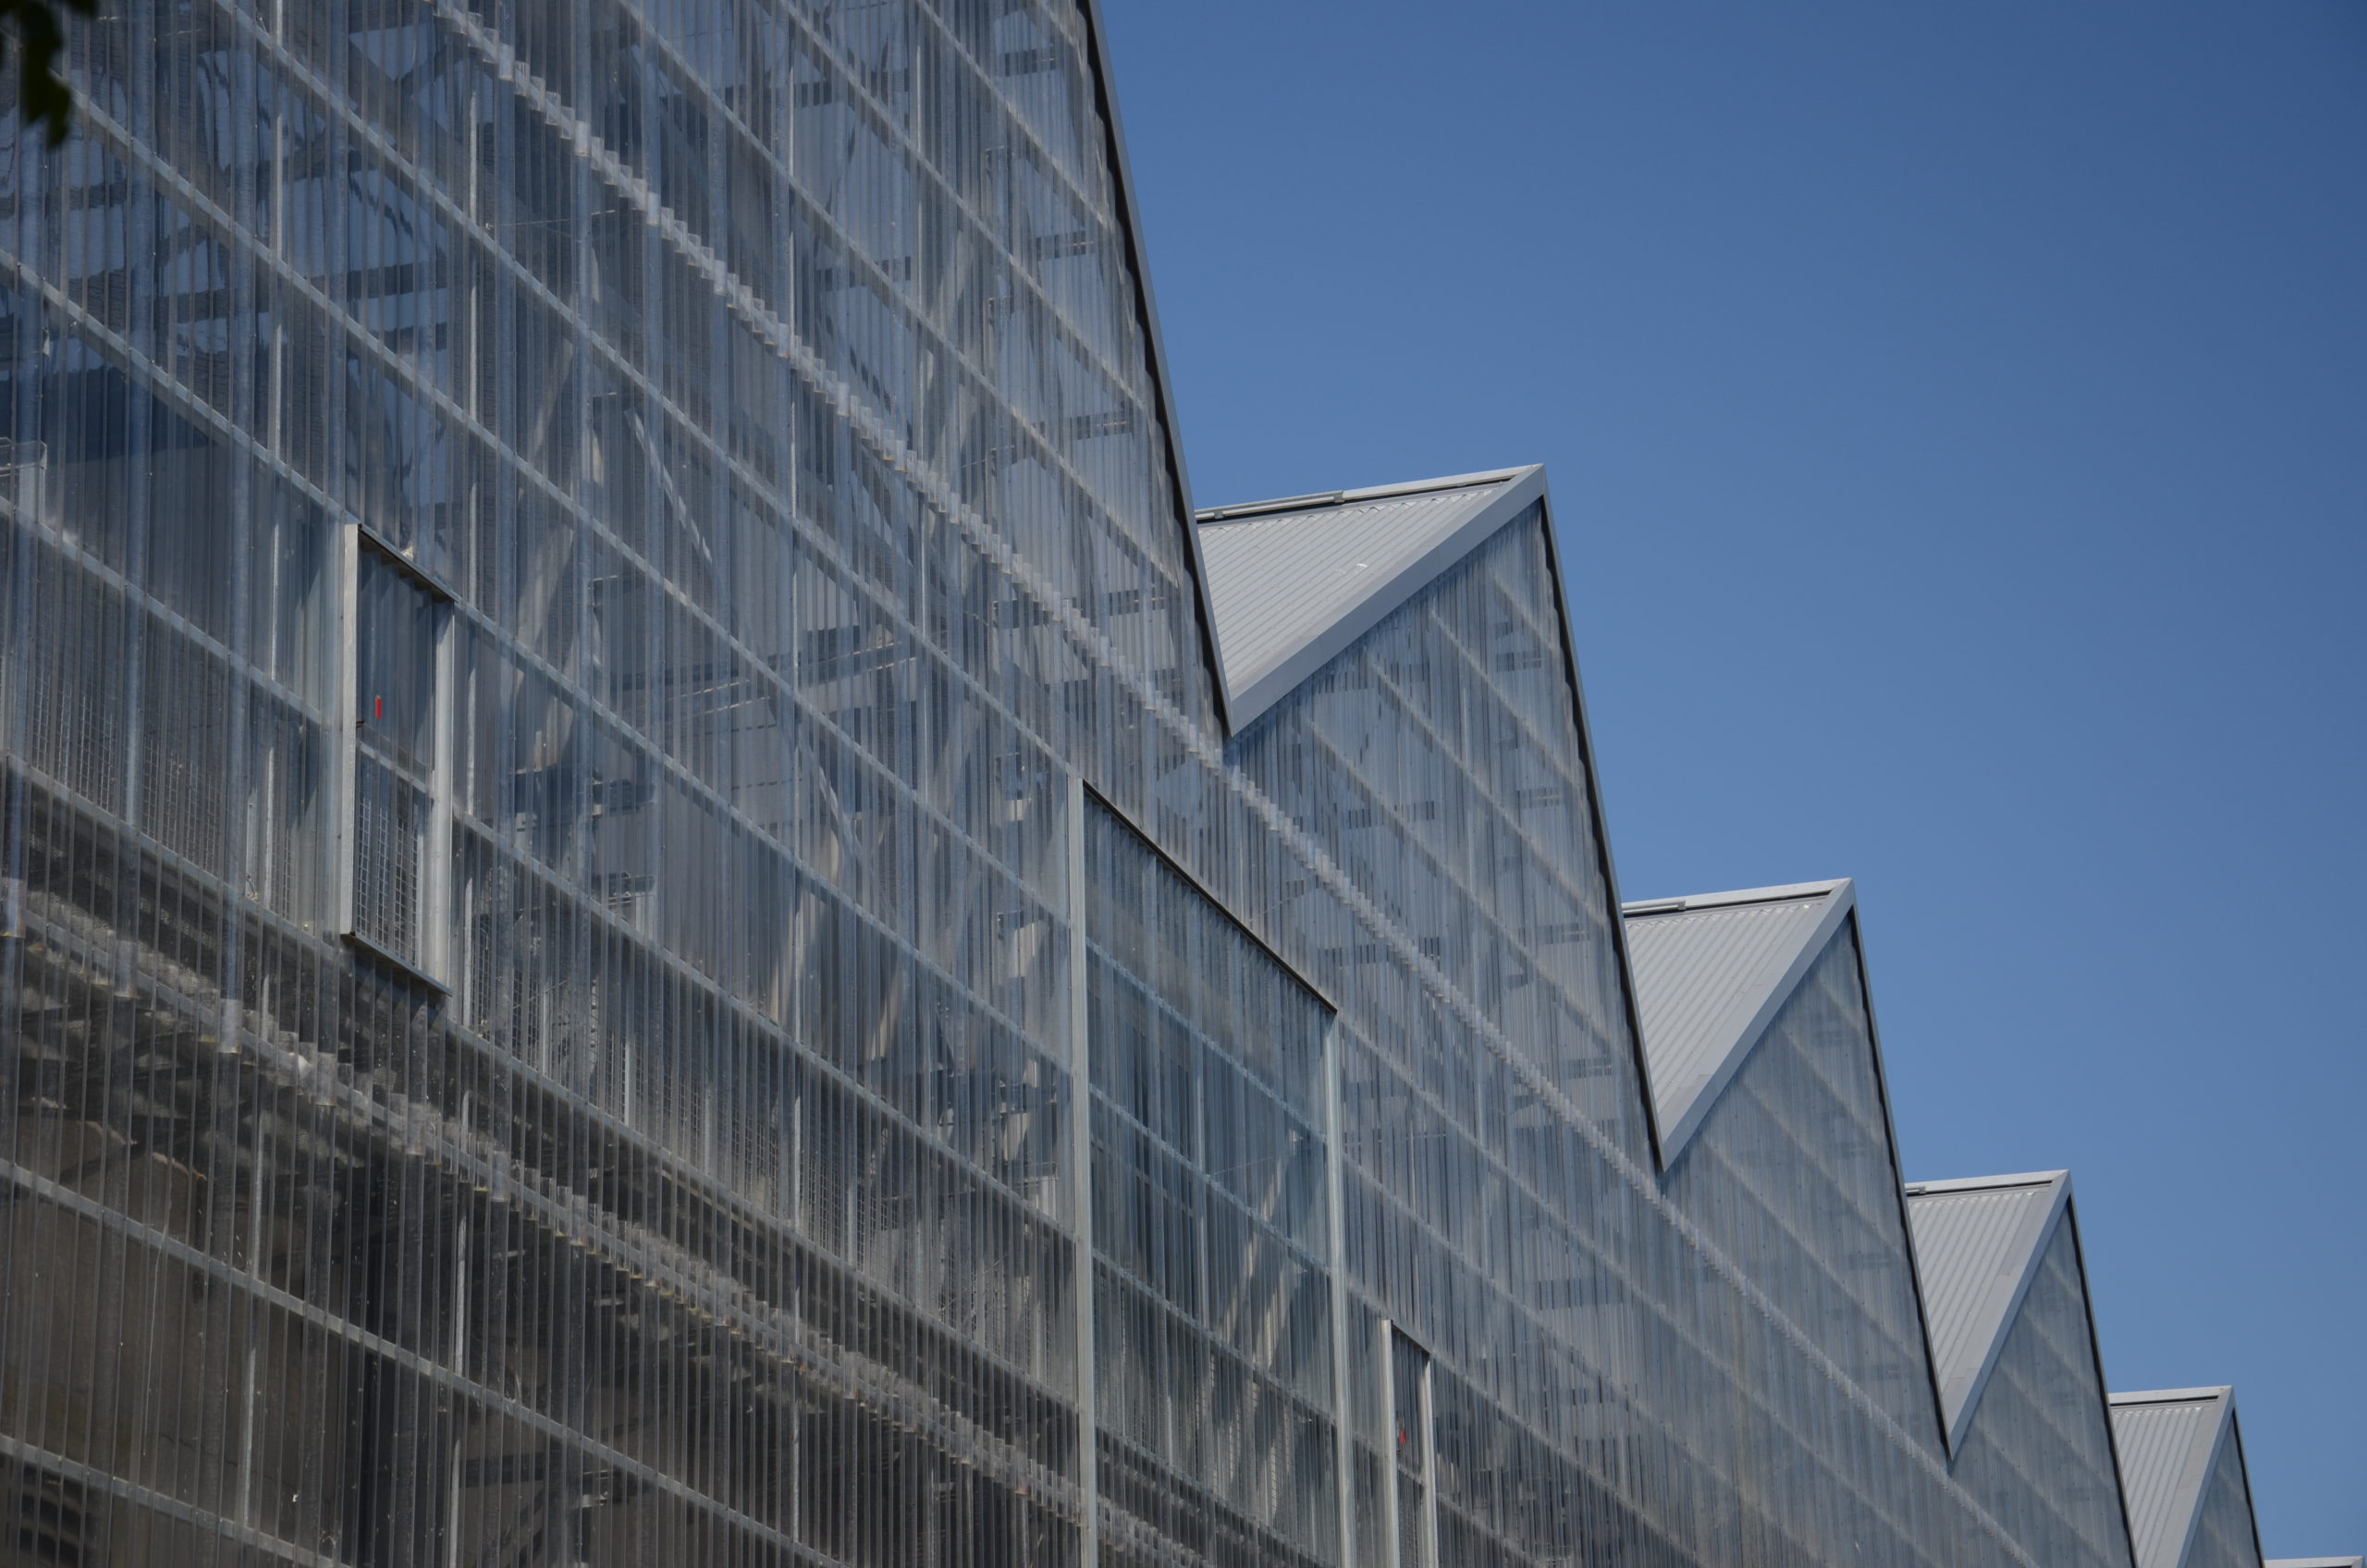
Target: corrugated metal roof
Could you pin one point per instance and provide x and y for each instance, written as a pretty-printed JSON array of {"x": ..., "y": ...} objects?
[
  {"x": 1977, "y": 1245},
  {"x": 1290, "y": 583},
  {"x": 1711, "y": 971},
  {"x": 2167, "y": 1440}
]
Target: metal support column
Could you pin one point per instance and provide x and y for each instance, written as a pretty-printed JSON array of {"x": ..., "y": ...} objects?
[{"x": 1080, "y": 1158}]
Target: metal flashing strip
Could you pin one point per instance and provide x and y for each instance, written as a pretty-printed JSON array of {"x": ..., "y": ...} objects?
[
  {"x": 1369, "y": 493},
  {"x": 405, "y": 566},
  {"x": 1191, "y": 880},
  {"x": 1687, "y": 994},
  {"x": 1121, "y": 171},
  {"x": 1975, "y": 1276},
  {"x": 393, "y": 963},
  {"x": 1984, "y": 1183},
  {"x": 1787, "y": 891},
  {"x": 2170, "y": 1396},
  {"x": 1285, "y": 607}
]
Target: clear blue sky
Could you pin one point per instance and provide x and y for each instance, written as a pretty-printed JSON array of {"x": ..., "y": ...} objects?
[{"x": 1957, "y": 422}]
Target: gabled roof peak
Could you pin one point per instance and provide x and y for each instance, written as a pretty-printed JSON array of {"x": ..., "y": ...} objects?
[
  {"x": 1712, "y": 972},
  {"x": 2171, "y": 1443},
  {"x": 1291, "y": 582},
  {"x": 1977, "y": 1246}
]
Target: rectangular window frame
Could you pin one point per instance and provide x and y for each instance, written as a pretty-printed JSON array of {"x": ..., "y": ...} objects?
[
  {"x": 1418, "y": 1427},
  {"x": 431, "y": 964}
]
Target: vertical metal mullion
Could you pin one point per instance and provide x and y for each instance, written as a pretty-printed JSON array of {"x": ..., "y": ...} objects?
[
  {"x": 1344, "y": 1459},
  {"x": 344, "y": 838},
  {"x": 459, "y": 1352},
  {"x": 16, "y": 615},
  {"x": 260, "y": 1187},
  {"x": 1080, "y": 1153},
  {"x": 1385, "y": 1348},
  {"x": 1429, "y": 1432},
  {"x": 435, "y": 881}
]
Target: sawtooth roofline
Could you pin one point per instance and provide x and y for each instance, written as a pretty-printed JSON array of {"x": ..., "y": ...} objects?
[
  {"x": 1522, "y": 487},
  {"x": 1839, "y": 917},
  {"x": 2017, "y": 1263}
]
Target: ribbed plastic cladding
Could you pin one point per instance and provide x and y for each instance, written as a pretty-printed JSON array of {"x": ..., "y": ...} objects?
[
  {"x": 2224, "y": 1534},
  {"x": 1791, "y": 1171},
  {"x": 1277, "y": 583},
  {"x": 2159, "y": 1471},
  {"x": 1700, "y": 976},
  {"x": 688, "y": 1159},
  {"x": 2038, "y": 1448},
  {"x": 1965, "y": 1252}
]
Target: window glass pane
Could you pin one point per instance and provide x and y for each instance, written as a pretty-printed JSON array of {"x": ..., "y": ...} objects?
[
  {"x": 395, "y": 735},
  {"x": 394, "y": 667}
]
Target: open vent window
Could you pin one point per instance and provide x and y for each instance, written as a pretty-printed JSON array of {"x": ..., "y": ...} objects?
[{"x": 399, "y": 766}]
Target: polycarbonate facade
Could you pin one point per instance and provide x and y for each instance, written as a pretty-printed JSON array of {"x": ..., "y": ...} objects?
[
  {"x": 1793, "y": 1176},
  {"x": 1605, "y": 1383},
  {"x": 631, "y": 935},
  {"x": 1216, "y": 1393},
  {"x": 522, "y": 485},
  {"x": 2038, "y": 1451},
  {"x": 2224, "y": 1536}
]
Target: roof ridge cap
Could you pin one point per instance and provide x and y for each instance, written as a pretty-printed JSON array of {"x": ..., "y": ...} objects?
[
  {"x": 1982, "y": 1184},
  {"x": 1781, "y": 893},
  {"x": 2173, "y": 1396},
  {"x": 1316, "y": 499}
]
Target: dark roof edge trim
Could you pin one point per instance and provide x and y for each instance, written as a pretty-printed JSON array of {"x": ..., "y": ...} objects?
[
  {"x": 1899, "y": 1179},
  {"x": 1840, "y": 897},
  {"x": 1191, "y": 880},
  {"x": 1155, "y": 351},
  {"x": 1523, "y": 488},
  {"x": 1598, "y": 814},
  {"x": 2251, "y": 1511},
  {"x": 2096, "y": 1365}
]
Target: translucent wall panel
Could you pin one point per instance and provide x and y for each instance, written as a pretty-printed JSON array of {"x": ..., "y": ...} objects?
[
  {"x": 756, "y": 390},
  {"x": 2223, "y": 1533},
  {"x": 1437, "y": 761},
  {"x": 631, "y": 512},
  {"x": 1792, "y": 1173},
  {"x": 1217, "y": 1390},
  {"x": 2039, "y": 1453}
]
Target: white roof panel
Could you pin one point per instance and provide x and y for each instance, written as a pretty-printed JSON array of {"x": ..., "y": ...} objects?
[
  {"x": 1712, "y": 972},
  {"x": 2167, "y": 1440},
  {"x": 1290, "y": 583},
  {"x": 1977, "y": 1245}
]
